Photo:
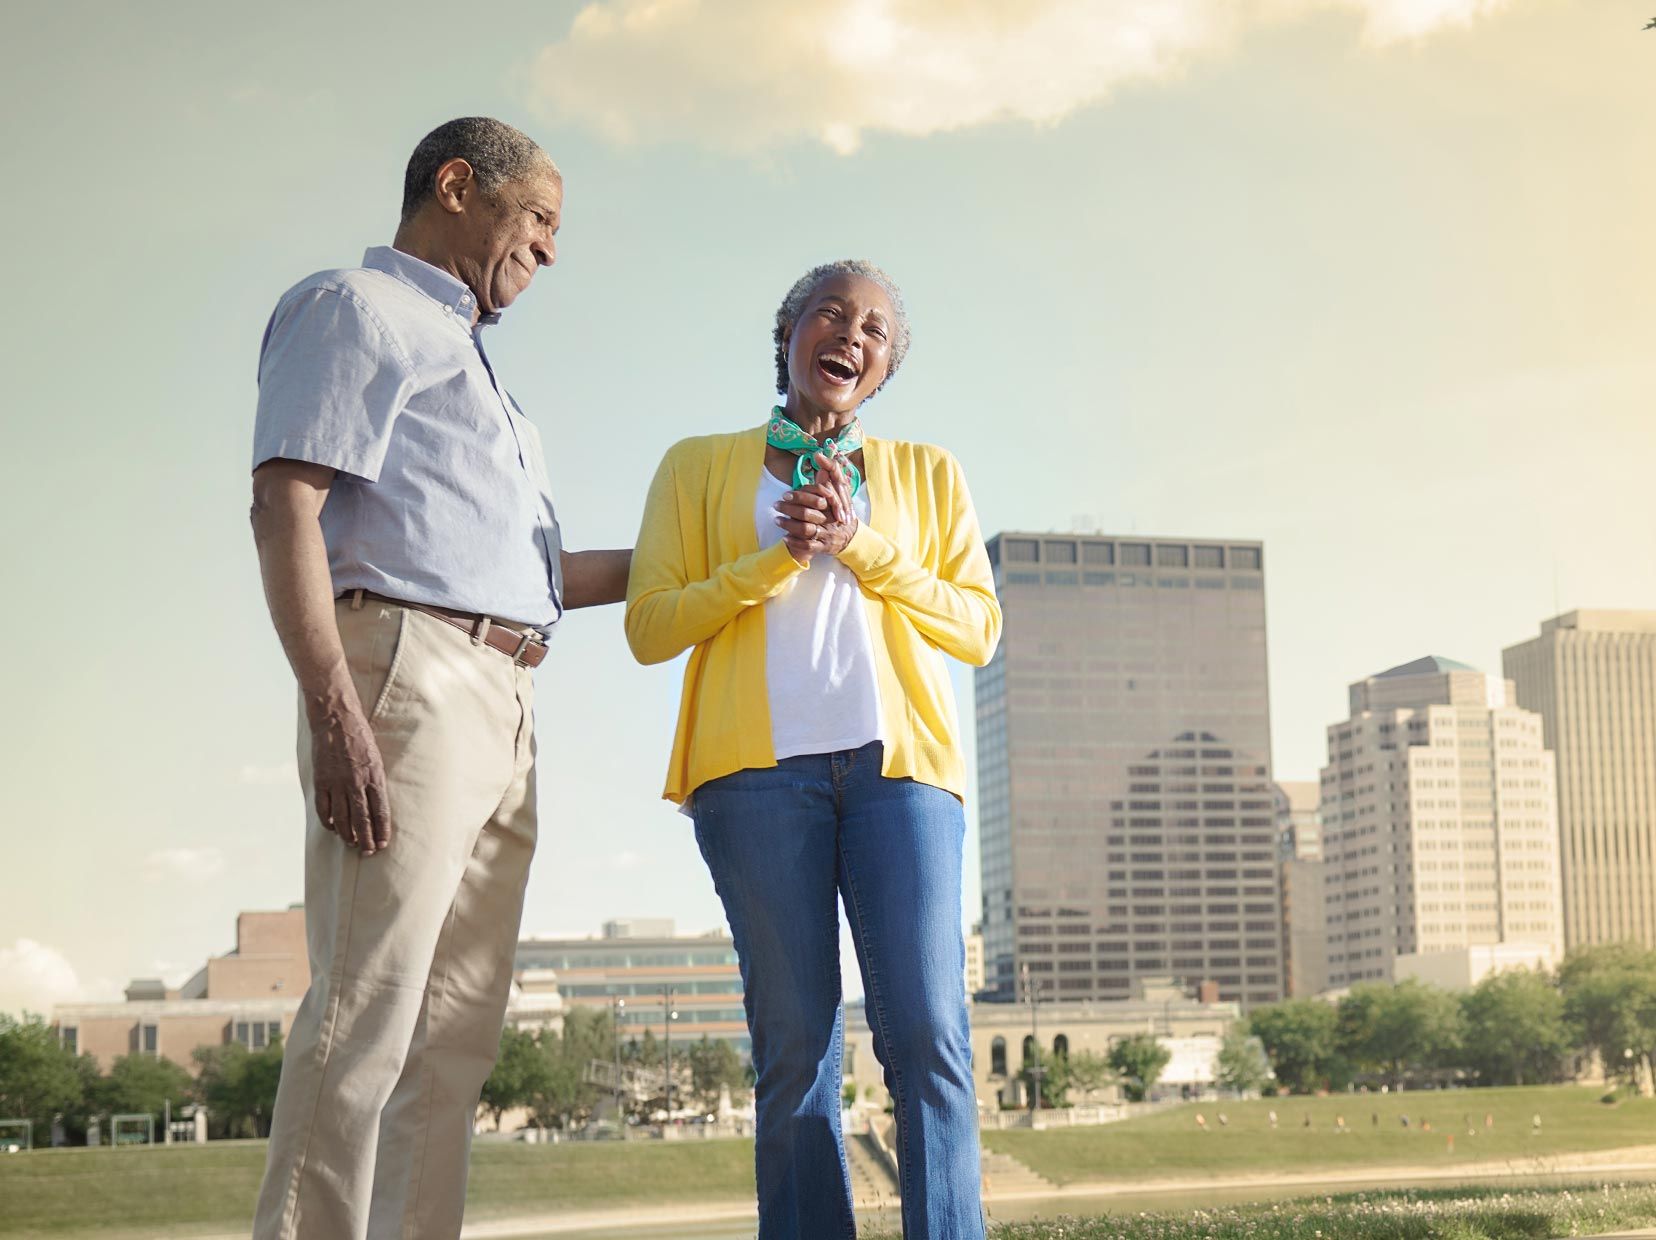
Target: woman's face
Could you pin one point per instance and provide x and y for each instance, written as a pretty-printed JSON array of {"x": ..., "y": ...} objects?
[{"x": 840, "y": 348}]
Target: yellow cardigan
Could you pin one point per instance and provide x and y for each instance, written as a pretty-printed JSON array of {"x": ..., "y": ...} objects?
[{"x": 699, "y": 579}]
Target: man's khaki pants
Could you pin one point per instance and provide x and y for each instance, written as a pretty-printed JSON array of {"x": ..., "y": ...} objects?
[{"x": 411, "y": 949}]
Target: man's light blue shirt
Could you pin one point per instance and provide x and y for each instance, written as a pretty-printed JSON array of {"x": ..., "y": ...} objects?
[{"x": 442, "y": 495}]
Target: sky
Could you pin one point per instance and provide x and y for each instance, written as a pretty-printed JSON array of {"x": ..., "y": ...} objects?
[{"x": 1371, "y": 280}]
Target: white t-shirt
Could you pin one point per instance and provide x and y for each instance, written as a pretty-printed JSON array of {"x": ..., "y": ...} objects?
[{"x": 819, "y": 658}]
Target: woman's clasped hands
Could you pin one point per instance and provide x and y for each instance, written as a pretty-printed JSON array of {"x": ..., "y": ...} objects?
[{"x": 818, "y": 519}]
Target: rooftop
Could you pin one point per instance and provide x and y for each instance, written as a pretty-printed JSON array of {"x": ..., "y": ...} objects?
[{"x": 1431, "y": 665}]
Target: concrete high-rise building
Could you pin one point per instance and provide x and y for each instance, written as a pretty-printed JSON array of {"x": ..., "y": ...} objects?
[
  {"x": 1439, "y": 821},
  {"x": 1591, "y": 676},
  {"x": 1124, "y": 769},
  {"x": 974, "y": 961},
  {"x": 1304, "y": 922}
]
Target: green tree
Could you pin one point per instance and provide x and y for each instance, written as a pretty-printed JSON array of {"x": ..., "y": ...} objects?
[
  {"x": 238, "y": 1087},
  {"x": 1300, "y": 1037},
  {"x": 520, "y": 1072},
  {"x": 1087, "y": 1071},
  {"x": 1055, "y": 1078},
  {"x": 715, "y": 1065},
  {"x": 1513, "y": 1030},
  {"x": 560, "y": 1094},
  {"x": 1399, "y": 1029},
  {"x": 1138, "y": 1061},
  {"x": 142, "y": 1084},
  {"x": 1610, "y": 1004},
  {"x": 39, "y": 1079},
  {"x": 1243, "y": 1065},
  {"x": 645, "y": 1052}
]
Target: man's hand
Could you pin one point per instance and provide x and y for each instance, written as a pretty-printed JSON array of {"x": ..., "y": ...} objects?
[
  {"x": 349, "y": 777},
  {"x": 818, "y": 519}
]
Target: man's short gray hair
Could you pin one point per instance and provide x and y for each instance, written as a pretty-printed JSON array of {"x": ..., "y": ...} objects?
[
  {"x": 496, "y": 152},
  {"x": 793, "y": 305}
]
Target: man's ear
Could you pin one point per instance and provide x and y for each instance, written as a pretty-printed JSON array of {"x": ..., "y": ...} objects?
[{"x": 455, "y": 183}]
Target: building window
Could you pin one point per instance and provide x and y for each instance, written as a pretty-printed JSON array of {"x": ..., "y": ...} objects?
[
  {"x": 1021, "y": 550},
  {"x": 1172, "y": 557},
  {"x": 1135, "y": 555},
  {"x": 1058, "y": 553},
  {"x": 997, "y": 1057},
  {"x": 1098, "y": 553},
  {"x": 1245, "y": 558},
  {"x": 69, "y": 1038},
  {"x": 1028, "y": 1050},
  {"x": 149, "y": 1039},
  {"x": 1060, "y": 1046},
  {"x": 1210, "y": 557}
]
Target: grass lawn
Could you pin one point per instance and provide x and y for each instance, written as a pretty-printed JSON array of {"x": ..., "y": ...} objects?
[
  {"x": 188, "y": 1190},
  {"x": 1451, "y": 1214},
  {"x": 1169, "y": 1145}
]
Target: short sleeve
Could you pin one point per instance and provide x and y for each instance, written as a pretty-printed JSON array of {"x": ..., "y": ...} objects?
[{"x": 331, "y": 383}]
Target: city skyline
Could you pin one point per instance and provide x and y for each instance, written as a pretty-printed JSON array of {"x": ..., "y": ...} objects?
[{"x": 1372, "y": 291}]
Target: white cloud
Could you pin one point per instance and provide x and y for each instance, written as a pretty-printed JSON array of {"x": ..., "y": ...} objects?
[
  {"x": 187, "y": 865},
  {"x": 746, "y": 74},
  {"x": 33, "y": 977}
]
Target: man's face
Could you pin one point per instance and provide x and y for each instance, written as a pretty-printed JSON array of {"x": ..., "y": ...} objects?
[{"x": 506, "y": 236}]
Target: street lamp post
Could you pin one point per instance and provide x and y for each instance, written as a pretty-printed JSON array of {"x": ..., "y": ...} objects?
[
  {"x": 1036, "y": 1069},
  {"x": 668, "y": 1017},
  {"x": 617, "y": 1006}
]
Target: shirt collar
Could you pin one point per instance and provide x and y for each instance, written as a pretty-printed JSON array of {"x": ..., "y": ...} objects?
[{"x": 437, "y": 284}]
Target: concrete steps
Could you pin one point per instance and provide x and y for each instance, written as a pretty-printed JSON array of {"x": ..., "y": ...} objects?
[
  {"x": 871, "y": 1181},
  {"x": 1004, "y": 1176}
]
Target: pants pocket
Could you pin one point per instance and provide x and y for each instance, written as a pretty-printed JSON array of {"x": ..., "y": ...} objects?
[{"x": 399, "y": 646}]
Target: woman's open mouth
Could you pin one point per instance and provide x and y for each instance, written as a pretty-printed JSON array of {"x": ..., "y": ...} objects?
[{"x": 837, "y": 369}]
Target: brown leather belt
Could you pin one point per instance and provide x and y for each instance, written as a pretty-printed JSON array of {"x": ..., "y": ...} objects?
[{"x": 525, "y": 647}]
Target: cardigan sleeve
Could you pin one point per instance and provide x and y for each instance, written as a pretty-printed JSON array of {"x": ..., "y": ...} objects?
[
  {"x": 666, "y": 612},
  {"x": 954, "y": 608}
]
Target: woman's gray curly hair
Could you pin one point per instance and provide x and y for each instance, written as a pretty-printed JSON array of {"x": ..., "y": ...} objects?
[{"x": 787, "y": 314}]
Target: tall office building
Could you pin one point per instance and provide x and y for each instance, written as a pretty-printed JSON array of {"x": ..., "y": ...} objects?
[
  {"x": 1124, "y": 769},
  {"x": 1439, "y": 822},
  {"x": 1591, "y": 676},
  {"x": 1304, "y": 922}
]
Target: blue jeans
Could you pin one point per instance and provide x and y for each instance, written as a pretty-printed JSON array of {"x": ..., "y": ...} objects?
[{"x": 784, "y": 844}]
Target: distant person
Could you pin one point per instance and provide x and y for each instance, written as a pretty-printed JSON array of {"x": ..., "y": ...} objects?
[
  {"x": 1535, "y": 1124},
  {"x": 413, "y": 568},
  {"x": 818, "y": 574},
  {"x": 1201, "y": 1121},
  {"x": 1224, "y": 1120},
  {"x": 1489, "y": 1121},
  {"x": 1272, "y": 1116}
]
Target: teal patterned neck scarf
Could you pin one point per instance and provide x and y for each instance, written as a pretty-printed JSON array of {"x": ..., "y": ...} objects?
[{"x": 786, "y": 434}]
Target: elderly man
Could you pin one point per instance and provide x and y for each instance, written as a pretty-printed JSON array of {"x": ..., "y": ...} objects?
[{"x": 413, "y": 568}]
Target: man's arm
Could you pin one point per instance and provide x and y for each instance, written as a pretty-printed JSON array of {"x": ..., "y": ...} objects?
[
  {"x": 593, "y": 578},
  {"x": 349, "y": 776}
]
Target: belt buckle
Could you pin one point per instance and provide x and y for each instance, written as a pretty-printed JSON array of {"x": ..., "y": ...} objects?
[{"x": 526, "y": 640}]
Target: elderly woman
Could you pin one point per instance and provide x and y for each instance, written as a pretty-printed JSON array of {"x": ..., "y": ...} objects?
[{"x": 818, "y": 575}]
